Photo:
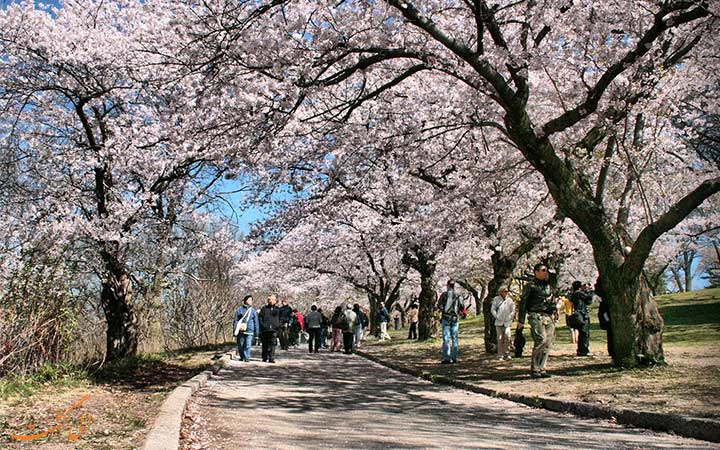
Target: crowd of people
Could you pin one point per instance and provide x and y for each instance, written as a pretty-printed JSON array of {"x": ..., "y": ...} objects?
[
  {"x": 346, "y": 327},
  {"x": 273, "y": 324}
]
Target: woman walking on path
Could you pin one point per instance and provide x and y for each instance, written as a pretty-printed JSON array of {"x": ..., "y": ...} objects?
[
  {"x": 247, "y": 317},
  {"x": 336, "y": 344},
  {"x": 503, "y": 310}
]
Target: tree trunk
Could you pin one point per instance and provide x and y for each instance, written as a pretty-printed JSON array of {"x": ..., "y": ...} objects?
[
  {"x": 478, "y": 296},
  {"x": 635, "y": 321},
  {"x": 688, "y": 256},
  {"x": 427, "y": 299},
  {"x": 678, "y": 280},
  {"x": 116, "y": 298}
]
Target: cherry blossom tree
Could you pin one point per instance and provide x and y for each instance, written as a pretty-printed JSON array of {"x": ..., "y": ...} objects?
[{"x": 564, "y": 82}]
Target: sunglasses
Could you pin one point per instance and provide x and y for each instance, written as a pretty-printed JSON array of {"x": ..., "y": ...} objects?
[{"x": 544, "y": 269}]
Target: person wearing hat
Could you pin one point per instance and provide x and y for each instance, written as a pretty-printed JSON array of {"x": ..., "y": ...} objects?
[
  {"x": 350, "y": 324},
  {"x": 503, "y": 310}
]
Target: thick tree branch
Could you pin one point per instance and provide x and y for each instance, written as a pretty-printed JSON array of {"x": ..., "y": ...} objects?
[{"x": 679, "y": 211}]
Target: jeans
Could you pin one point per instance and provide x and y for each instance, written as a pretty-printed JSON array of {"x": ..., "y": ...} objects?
[
  {"x": 450, "y": 332},
  {"x": 413, "y": 331},
  {"x": 314, "y": 338},
  {"x": 244, "y": 344},
  {"x": 323, "y": 337}
]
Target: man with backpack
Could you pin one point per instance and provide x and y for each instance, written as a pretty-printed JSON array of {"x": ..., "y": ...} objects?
[{"x": 450, "y": 304}]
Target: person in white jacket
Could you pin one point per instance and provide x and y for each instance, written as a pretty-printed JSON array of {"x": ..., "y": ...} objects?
[{"x": 503, "y": 310}]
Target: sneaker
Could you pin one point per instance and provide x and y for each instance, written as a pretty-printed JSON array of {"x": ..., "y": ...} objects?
[
  {"x": 501, "y": 358},
  {"x": 454, "y": 361},
  {"x": 535, "y": 375},
  {"x": 545, "y": 375},
  {"x": 271, "y": 361},
  {"x": 445, "y": 361},
  {"x": 508, "y": 357}
]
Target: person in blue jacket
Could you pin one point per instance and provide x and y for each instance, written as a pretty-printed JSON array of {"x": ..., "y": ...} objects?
[{"x": 247, "y": 315}]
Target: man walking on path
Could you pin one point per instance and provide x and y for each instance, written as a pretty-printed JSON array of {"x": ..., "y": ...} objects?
[
  {"x": 286, "y": 316},
  {"x": 538, "y": 304},
  {"x": 581, "y": 299},
  {"x": 349, "y": 324},
  {"x": 313, "y": 323},
  {"x": 450, "y": 305},
  {"x": 269, "y": 326},
  {"x": 384, "y": 318}
]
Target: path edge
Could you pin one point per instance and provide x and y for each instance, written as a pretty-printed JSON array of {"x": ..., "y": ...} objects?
[
  {"x": 697, "y": 428},
  {"x": 165, "y": 432}
]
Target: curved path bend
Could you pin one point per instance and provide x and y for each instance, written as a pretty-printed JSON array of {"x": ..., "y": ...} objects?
[{"x": 336, "y": 401}]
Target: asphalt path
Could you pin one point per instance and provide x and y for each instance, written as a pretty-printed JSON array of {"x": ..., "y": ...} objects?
[{"x": 337, "y": 401}]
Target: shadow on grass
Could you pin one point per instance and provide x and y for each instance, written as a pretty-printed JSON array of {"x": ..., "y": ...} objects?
[{"x": 146, "y": 372}]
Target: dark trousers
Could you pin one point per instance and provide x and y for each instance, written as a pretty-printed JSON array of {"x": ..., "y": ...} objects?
[
  {"x": 284, "y": 339},
  {"x": 583, "y": 347},
  {"x": 269, "y": 342},
  {"x": 348, "y": 340},
  {"x": 313, "y": 339},
  {"x": 413, "y": 331}
]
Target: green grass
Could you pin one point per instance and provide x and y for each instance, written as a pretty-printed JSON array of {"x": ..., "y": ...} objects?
[
  {"x": 60, "y": 375},
  {"x": 692, "y": 319},
  {"x": 138, "y": 370}
]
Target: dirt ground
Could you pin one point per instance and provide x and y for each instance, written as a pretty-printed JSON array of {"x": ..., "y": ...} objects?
[{"x": 113, "y": 415}]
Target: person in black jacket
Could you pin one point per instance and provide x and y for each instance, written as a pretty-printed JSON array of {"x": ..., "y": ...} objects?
[
  {"x": 538, "y": 303},
  {"x": 269, "y": 326},
  {"x": 286, "y": 317},
  {"x": 581, "y": 299}
]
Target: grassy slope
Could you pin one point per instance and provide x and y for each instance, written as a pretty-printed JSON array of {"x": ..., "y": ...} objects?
[{"x": 689, "y": 385}]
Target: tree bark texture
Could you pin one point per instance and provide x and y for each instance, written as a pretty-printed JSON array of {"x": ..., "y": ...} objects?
[{"x": 116, "y": 300}]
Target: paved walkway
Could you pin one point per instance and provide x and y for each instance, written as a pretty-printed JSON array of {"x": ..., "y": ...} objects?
[{"x": 335, "y": 401}]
